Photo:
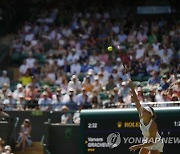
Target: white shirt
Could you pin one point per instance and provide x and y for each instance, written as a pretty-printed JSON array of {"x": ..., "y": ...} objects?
[
  {"x": 151, "y": 68},
  {"x": 145, "y": 129},
  {"x": 66, "y": 98},
  {"x": 76, "y": 86},
  {"x": 156, "y": 46},
  {"x": 30, "y": 62},
  {"x": 81, "y": 99},
  {"x": 17, "y": 93},
  {"x": 4, "y": 80},
  {"x": 140, "y": 53},
  {"x": 23, "y": 68},
  {"x": 75, "y": 68},
  {"x": 44, "y": 103},
  {"x": 29, "y": 37},
  {"x": 60, "y": 62},
  {"x": 52, "y": 76},
  {"x": 76, "y": 117},
  {"x": 66, "y": 32},
  {"x": 115, "y": 29}
]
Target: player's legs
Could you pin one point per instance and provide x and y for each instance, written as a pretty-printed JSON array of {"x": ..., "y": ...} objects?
[
  {"x": 143, "y": 151},
  {"x": 154, "y": 152}
]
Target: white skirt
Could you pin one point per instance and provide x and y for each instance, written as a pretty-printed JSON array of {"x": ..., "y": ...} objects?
[{"x": 157, "y": 146}]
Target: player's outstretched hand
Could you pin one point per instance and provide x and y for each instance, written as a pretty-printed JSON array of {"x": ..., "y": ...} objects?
[{"x": 134, "y": 147}]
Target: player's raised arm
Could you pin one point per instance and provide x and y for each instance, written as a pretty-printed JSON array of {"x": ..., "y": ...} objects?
[{"x": 134, "y": 96}]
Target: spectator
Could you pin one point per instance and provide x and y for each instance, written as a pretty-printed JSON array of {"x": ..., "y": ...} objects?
[
  {"x": 87, "y": 84},
  {"x": 19, "y": 91},
  {"x": 26, "y": 78},
  {"x": 175, "y": 98},
  {"x": 154, "y": 80},
  {"x": 9, "y": 102},
  {"x": 66, "y": 117},
  {"x": 1, "y": 145},
  {"x": 140, "y": 51},
  {"x": 4, "y": 78},
  {"x": 30, "y": 61},
  {"x": 64, "y": 84},
  {"x": 24, "y": 138},
  {"x": 47, "y": 89},
  {"x": 124, "y": 90},
  {"x": 31, "y": 95},
  {"x": 110, "y": 85},
  {"x": 17, "y": 45},
  {"x": 76, "y": 116},
  {"x": 3, "y": 115},
  {"x": 95, "y": 100},
  {"x": 3, "y": 93},
  {"x": 102, "y": 79},
  {"x": 96, "y": 85},
  {"x": 120, "y": 103},
  {"x": 75, "y": 67},
  {"x": 163, "y": 69},
  {"x": 70, "y": 96},
  {"x": 116, "y": 94},
  {"x": 45, "y": 101},
  {"x": 109, "y": 103},
  {"x": 158, "y": 95},
  {"x": 21, "y": 103},
  {"x": 141, "y": 35},
  {"x": 164, "y": 83},
  {"x": 83, "y": 98},
  {"x": 57, "y": 102},
  {"x": 140, "y": 69},
  {"x": 151, "y": 97},
  {"x": 93, "y": 59},
  {"x": 7, "y": 150},
  {"x": 103, "y": 57},
  {"x": 74, "y": 84},
  {"x": 26, "y": 47},
  {"x": 152, "y": 67},
  {"x": 140, "y": 94}
]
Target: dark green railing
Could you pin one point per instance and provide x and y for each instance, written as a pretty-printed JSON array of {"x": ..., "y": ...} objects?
[{"x": 45, "y": 146}]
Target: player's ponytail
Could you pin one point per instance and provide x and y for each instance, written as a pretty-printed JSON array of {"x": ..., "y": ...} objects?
[{"x": 154, "y": 114}]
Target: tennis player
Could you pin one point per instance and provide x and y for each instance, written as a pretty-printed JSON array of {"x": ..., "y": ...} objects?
[{"x": 152, "y": 143}]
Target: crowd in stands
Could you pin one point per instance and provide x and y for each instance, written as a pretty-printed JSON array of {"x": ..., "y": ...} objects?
[
  {"x": 66, "y": 61},
  {"x": 4, "y": 149}
]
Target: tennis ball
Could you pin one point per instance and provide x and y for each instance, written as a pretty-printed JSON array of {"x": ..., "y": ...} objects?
[{"x": 110, "y": 48}]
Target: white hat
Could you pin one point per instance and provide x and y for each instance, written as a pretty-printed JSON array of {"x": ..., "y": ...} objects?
[
  {"x": 9, "y": 94},
  {"x": 4, "y": 72},
  {"x": 96, "y": 78},
  {"x": 147, "y": 108},
  {"x": 140, "y": 43},
  {"x": 21, "y": 96},
  {"x": 71, "y": 89},
  {"x": 74, "y": 77},
  {"x": 90, "y": 72},
  {"x": 123, "y": 83},
  {"x": 139, "y": 89},
  {"x": 45, "y": 93},
  {"x": 118, "y": 59},
  {"x": 7, "y": 147},
  {"x": 19, "y": 86},
  {"x": 64, "y": 107}
]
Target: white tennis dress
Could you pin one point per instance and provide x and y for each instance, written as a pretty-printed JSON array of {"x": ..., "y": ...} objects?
[{"x": 158, "y": 145}]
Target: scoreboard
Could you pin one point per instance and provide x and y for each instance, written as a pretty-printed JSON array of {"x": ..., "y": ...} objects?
[{"x": 113, "y": 131}]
